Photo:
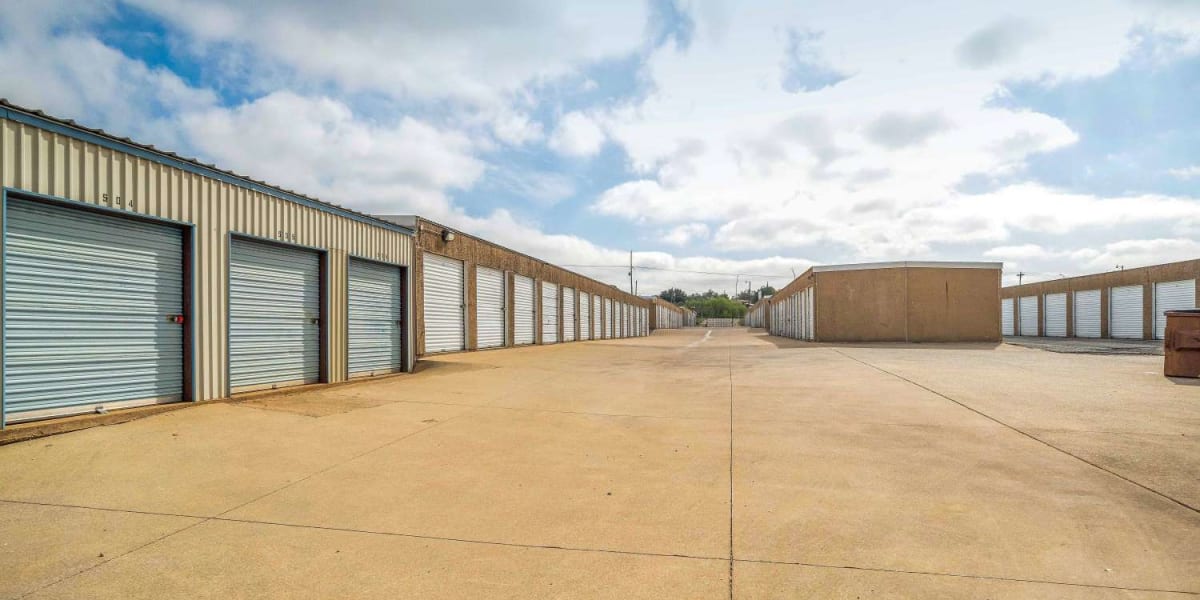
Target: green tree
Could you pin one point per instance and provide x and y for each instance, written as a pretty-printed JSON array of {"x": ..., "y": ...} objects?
[{"x": 674, "y": 296}]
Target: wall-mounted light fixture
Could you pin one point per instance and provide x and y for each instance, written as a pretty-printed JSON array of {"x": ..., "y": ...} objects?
[{"x": 447, "y": 235}]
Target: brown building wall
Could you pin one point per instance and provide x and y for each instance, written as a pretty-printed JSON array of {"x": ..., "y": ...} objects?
[
  {"x": 1143, "y": 276},
  {"x": 900, "y": 303},
  {"x": 656, "y": 302},
  {"x": 476, "y": 252}
]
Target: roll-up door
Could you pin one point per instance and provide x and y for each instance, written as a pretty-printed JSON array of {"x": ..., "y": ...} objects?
[
  {"x": 89, "y": 311},
  {"x": 568, "y": 303},
  {"x": 1087, "y": 314},
  {"x": 1006, "y": 317},
  {"x": 1056, "y": 315},
  {"x": 524, "y": 310},
  {"x": 626, "y": 331},
  {"x": 375, "y": 318},
  {"x": 274, "y": 316},
  {"x": 443, "y": 304},
  {"x": 489, "y": 307},
  {"x": 597, "y": 317},
  {"x": 1028, "y": 306},
  {"x": 1125, "y": 312},
  {"x": 1171, "y": 295},
  {"x": 585, "y": 316},
  {"x": 812, "y": 315},
  {"x": 609, "y": 320},
  {"x": 549, "y": 313}
]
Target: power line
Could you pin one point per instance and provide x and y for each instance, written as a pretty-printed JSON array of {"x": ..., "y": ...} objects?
[{"x": 669, "y": 270}]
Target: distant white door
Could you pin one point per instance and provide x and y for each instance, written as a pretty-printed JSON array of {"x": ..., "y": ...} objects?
[
  {"x": 568, "y": 314},
  {"x": 585, "y": 316},
  {"x": 442, "y": 309},
  {"x": 1125, "y": 312},
  {"x": 1171, "y": 295},
  {"x": 1056, "y": 315},
  {"x": 1006, "y": 317},
  {"x": 1029, "y": 315},
  {"x": 489, "y": 307},
  {"x": 1087, "y": 314},
  {"x": 524, "y": 310},
  {"x": 549, "y": 313}
]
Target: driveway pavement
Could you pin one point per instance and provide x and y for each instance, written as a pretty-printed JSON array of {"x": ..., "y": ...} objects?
[{"x": 689, "y": 464}]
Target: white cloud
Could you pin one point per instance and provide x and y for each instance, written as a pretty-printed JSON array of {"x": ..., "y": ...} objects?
[
  {"x": 997, "y": 43},
  {"x": 682, "y": 235},
  {"x": 1191, "y": 172},
  {"x": 577, "y": 135}
]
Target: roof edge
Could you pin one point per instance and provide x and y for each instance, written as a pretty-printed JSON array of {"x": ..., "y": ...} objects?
[{"x": 920, "y": 264}]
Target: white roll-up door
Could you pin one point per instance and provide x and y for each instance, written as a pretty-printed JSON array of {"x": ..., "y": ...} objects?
[
  {"x": 1125, "y": 312},
  {"x": 1171, "y": 295},
  {"x": 1087, "y": 314},
  {"x": 597, "y": 317},
  {"x": 1007, "y": 314},
  {"x": 626, "y": 325},
  {"x": 489, "y": 307},
  {"x": 524, "y": 310},
  {"x": 90, "y": 311},
  {"x": 1028, "y": 308},
  {"x": 568, "y": 303},
  {"x": 610, "y": 313},
  {"x": 274, "y": 316},
  {"x": 812, "y": 315},
  {"x": 375, "y": 318},
  {"x": 1056, "y": 315},
  {"x": 549, "y": 313},
  {"x": 443, "y": 304},
  {"x": 585, "y": 316}
]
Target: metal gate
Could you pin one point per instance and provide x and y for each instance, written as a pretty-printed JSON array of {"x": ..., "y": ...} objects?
[
  {"x": 90, "y": 302},
  {"x": 1171, "y": 295},
  {"x": 274, "y": 315},
  {"x": 1007, "y": 326},
  {"x": 585, "y": 316},
  {"x": 489, "y": 307},
  {"x": 1087, "y": 314},
  {"x": 442, "y": 282},
  {"x": 1056, "y": 315},
  {"x": 524, "y": 310},
  {"x": 549, "y": 313},
  {"x": 1028, "y": 316},
  {"x": 375, "y": 319},
  {"x": 568, "y": 303},
  {"x": 1125, "y": 312}
]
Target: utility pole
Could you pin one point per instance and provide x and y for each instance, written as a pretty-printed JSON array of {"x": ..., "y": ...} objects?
[
  {"x": 631, "y": 290},
  {"x": 1020, "y": 277}
]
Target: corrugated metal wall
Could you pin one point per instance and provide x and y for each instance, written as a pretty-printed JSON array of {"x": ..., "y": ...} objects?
[{"x": 41, "y": 161}]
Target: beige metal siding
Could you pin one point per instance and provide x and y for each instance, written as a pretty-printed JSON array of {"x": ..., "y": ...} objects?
[{"x": 44, "y": 162}]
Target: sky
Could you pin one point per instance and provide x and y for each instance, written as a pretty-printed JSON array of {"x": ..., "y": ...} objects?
[{"x": 723, "y": 143}]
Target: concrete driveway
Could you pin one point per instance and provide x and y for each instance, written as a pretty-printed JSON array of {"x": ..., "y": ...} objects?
[{"x": 688, "y": 464}]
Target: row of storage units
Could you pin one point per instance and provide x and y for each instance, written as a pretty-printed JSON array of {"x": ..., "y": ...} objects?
[
  {"x": 473, "y": 294},
  {"x": 133, "y": 277},
  {"x": 792, "y": 315},
  {"x": 1131, "y": 311},
  {"x": 1117, "y": 312},
  {"x": 670, "y": 316}
]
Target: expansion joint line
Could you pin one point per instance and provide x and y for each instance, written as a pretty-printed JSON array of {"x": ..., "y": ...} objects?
[
  {"x": 731, "y": 559},
  {"x": 1027, "y": 434}
]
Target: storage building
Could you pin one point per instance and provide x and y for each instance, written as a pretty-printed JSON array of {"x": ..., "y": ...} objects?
[
  {"x": 133, "y": 276},
  {"x": 667, "y": 315},
  {"x": 472, "y": 294},
  {"x": 885, "y": 302},
  {"x": 1125, "y": 304}
]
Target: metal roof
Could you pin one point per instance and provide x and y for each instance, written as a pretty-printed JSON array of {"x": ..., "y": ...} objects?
[{"x": 70, "y": 128}]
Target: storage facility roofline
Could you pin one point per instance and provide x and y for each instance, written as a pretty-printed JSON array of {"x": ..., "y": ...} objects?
[
  {"x": 924, "y": 264},
  {"x": 67, "y": 127},
  {"x": 413, "y": 223}
]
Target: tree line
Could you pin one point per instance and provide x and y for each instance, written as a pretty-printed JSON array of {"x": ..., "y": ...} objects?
[{"x": 710, "y": 304}]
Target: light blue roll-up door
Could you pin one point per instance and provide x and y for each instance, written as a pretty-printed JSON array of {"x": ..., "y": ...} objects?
[
  {"x": 274, "y": 316},
  {"x": 89, "y": 311},
  {"x": 376, "y": 318}
]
